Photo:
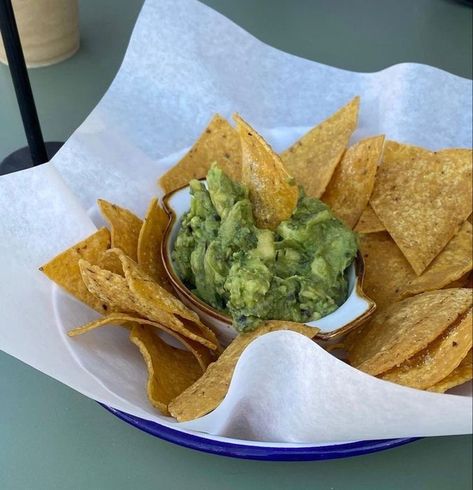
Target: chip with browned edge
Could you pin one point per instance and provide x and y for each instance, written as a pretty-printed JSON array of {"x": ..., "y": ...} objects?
[
  {"x": 386, "y": 269},
  {"x": 149, "y": 244},
  {"x": 64, "y": 268},
  {"x": 124, "y": 227},
  {"x": 201, "y": 353},
  {"x": 113, "y": 289},
  {"x": 437, "y": 360},
  {"x": 209, "y": 390},
  {"x": 369, "y": 222},
  {"x": 450, "y": 265},
  {"x": 170, "y": 370},
  {"x": 351, "y": 185},
  {"x": 312, "y": 159},
  {"x": 405, "y": 328},
  {"x": 460, "y": 375},
  {"x": 218, "y": 143},
  {"x": 422, "y": 198},
  {"x": 273, "y": 192}
]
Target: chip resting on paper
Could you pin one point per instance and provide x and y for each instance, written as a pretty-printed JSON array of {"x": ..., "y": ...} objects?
[
  {"x": 422, "y": 198},
  {"x": 200, "y": 352},
  {"x": 273, "y": 192},
  {"x": 218, "y": 143},
  {"x": 170, "y": 370},
  {"x": 437, "y": 360},
  {"x": 64, "y": 268},
  {"x": 403, "y": 329},
  {"x": 350, "y": 187},
  {"x": 124, "y": 227},
  {"x": 369, "y": 222},
  {"x": 209, "y": 390},
  {"x": 313, "y": 158},
  {"x": 460, "y": 375}
]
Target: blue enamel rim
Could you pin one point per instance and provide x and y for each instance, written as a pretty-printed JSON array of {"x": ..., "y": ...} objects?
[{"x": 265, "y": 453}]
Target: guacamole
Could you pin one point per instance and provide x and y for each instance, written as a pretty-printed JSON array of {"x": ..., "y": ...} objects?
[{"x": 296, "y": 272}]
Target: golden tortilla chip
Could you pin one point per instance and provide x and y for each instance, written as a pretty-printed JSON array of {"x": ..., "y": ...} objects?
[
  {"x": 124, "y": 227},
  {"x": 312, "y": 159},
  {"x": 113, "y": 289},
  {"x": 386, "y": 269},
  {"x": 351, "y": 185},
  {"x": 170, "y": 370},
  {"x": 405, "y": 328},
  {"x": 149, "y": 244},
  {"x": 422, "y": 198},
  {"x": 110, "y": 261},
  {"x": 218, "y": 143},
  {"x": 369, "y": 222},
  {"x": 273, "y": 192},
  {"x": 64, "y": 268},
  {"x": 209, "y": 390},
  {"x": 152, "y": 294},
  {"x": 460, "y": 375},
  {"x": 451, "y": 264},
  {"x": 437, "y": 360},
  {"x": 201, "y": 353}
]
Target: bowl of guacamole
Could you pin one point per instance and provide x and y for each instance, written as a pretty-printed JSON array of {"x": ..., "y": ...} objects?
[{"x": 237, "y": 275}]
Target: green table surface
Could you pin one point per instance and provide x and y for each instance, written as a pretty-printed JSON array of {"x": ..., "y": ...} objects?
[{"x": 54, "y": 438}]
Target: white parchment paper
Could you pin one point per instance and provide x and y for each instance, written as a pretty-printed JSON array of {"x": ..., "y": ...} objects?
[{"x": 184, "y": 63}]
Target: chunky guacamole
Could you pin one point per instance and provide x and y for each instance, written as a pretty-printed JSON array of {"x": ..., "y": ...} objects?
[{"x": 296, "y": 272}]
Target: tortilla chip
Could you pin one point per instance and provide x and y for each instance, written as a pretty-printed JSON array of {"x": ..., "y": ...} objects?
[
  {"x": 312, "y": 159},
  {"x": 110, "y": 261},
  {"x": 405, "y": 328},
  {"x": 209, "y": 390},
  {"x": 152, "y": 294},
  {"x": 352, "y": 183},
  {"x": 149, "y": 244},
  {"x": 422, "y": 198},
  {"x": 170, "y": 370},
  {"x": 201, "y": 353},
  {"x": 369, "y": 222},
  {"x": 386, "y": 269},
  {"x": 218, "y": 143},
  {"x": 113, "y": 289},
  {"x": 460, "y": 375},
  {"x": 452, "y": 263},
  {"x": 64, "y": 268},
  {"x": 124, "y": 227},
  {"x": 464, "y": 282},
  {"x": 437, "y": 360},
  {"x": 273, "y": 192}
]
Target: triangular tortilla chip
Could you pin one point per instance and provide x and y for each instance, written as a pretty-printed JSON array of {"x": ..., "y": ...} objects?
[
  {"x": 273, "y": 192},
  {"x": 352, "y": 183},
  {"x": 64, "y": 268},
  {"x": 451, "y": 264},
  {"x": 313, "y": 158},
  {"x": 437, "y": 360},
  {"x": 386, "y": 269},
  {"x": 422, "y": 198},
  {"x": 218, "y": 143},
  {"x": 149, "y": 244},
  {"x": 405, "y": 328},
  {"x": 460, "y": 375},
  {"x": 124, "y": 227}
]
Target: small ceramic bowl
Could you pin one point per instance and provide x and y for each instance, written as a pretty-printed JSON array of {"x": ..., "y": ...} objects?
[{"x": 349, "y": 315}]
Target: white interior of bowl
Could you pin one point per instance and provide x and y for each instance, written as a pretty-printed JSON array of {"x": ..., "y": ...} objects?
[{"x": 354, "y": 306}]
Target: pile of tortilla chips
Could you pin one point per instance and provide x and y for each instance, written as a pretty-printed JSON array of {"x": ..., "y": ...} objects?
[{"x": 409, "y": 205}]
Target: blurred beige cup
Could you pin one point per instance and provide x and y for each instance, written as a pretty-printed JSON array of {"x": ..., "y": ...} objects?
[{"x": 49, "y": 30}]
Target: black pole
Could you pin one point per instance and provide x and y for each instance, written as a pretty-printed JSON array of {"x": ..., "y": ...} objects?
[{"x": 21, "y": 82}]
